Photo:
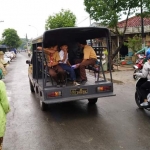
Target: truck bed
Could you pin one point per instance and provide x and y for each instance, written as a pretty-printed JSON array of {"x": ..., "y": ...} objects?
[{"x": 90, "y": 81}]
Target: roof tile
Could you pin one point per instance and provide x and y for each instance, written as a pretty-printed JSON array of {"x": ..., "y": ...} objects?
[{"x": 134, "y": 22}]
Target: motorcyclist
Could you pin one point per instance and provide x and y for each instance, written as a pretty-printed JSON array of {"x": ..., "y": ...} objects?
[
  {"x": 29, "y": 53},
  {"x": 145, "y": 49},
  {"x": 145, "y": 74}
]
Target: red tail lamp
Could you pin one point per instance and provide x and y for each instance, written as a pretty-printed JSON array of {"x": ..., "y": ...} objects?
[
  {"x": 54, "y": 94},
  {"x": 103, "y": 88}
]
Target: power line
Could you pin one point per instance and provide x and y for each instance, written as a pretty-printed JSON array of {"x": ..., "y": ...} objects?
[{"x": 82, "y": 20}]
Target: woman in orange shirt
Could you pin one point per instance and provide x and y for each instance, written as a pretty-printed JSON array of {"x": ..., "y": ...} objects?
[{"x": 53, "y": 58}]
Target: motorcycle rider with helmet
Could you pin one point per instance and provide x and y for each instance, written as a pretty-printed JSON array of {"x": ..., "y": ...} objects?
[{"x": 145, "y": 74}]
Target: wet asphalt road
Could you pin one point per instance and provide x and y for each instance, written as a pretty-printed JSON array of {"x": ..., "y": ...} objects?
[{"x": 112, "y": 124}]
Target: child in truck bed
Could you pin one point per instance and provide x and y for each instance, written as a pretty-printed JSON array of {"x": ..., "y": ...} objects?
[{"x": 64, "y": 63}]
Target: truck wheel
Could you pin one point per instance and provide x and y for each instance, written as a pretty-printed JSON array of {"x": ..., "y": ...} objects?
[
  {"x": 31, "y": 87},
  {"x": 138, "y": 100},
  {"x": 43, "y": 106},
  {"x": 92, "y": 100}
]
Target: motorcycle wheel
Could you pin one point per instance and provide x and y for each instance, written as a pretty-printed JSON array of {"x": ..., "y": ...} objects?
[
  {"x": 134, "y": 76},
  {"x": 136, "y": 71},
  {"x": 138, "y": 100}
]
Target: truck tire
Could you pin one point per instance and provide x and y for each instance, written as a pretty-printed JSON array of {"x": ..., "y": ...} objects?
[
  {"x": 92, "y": 101},
  {"x": 31, "y": 87},
  {"x": 43, "y": 106}
]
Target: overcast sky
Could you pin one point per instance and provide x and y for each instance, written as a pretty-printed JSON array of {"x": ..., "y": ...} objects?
[{"x": 19, "y": 14}]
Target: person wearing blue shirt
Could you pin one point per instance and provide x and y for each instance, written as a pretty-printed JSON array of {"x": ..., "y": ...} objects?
[{"x": 146, "y": 49}]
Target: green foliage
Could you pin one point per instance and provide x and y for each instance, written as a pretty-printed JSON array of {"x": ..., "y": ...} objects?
[
  {"x": 134, "y": 43},
  {"x": 25, "y": 47},
  {"x": 65, "y": 18},
  {"x": 23, "y": 43},
  {"x": 109, "y": 12},
  {"x": 11, "y": 38},
  {"x": 146, "y": 8}
]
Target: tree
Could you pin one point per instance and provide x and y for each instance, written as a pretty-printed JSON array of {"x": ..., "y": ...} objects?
[
  {"x": 109, "y": 12},
  {"x": 23, "y": 43},
  {"x": 134, "y": 43},
  {"x": 65, "y": 18},
  {"x": 11, "y": 38},
  {"x": 145, "y": 5}
]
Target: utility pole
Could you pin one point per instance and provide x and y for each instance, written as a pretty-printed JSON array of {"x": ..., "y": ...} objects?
[
  {"x": 142, "y": 23},
  {"x": 90, "y": 20}
]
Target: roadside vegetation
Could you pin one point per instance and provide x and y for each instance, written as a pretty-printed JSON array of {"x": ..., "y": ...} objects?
[
  {"x": 65, "y": 18},
  {"x": 109, "y": 12}
]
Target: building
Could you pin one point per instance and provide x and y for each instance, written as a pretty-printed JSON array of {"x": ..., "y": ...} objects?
[
  {"x": 133, "y": 28},
  {"x": 134, "y": 25}
]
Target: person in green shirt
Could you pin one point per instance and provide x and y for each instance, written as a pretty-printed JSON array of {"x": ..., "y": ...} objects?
[
  {"x": 145, "y": 50},
  {"x": 4, "y": 109}
]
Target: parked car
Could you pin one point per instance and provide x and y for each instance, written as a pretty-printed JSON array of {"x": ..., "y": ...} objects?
[
  {"x": 9, "y": 55},
  {"x": 14, "y": 55},
  {"x": 7, "y": 59}
]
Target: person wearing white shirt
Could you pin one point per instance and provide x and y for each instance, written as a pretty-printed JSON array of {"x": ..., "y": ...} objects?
[{"x": 64, "y": 63}]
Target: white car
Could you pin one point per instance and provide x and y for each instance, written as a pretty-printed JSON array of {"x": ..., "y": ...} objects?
[
  {"x": 14, "y": 55},
  {"x": 9, "y": 55},
  {"x": 6, "y": 59}
]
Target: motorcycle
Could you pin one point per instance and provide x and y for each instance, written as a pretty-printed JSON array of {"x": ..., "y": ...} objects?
[
  {"x": 138, "y": 95},
  {"x": 138, "y": 65},
  {"x": 29, "y": 54}
]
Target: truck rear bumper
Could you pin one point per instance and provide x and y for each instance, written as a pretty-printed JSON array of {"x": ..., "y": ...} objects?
[{"x": 68, "y": 99}]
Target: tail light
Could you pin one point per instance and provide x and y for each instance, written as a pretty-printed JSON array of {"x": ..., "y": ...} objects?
[
  {"x": 54, "y": 94},
  {"x": 103, "y": 88}
]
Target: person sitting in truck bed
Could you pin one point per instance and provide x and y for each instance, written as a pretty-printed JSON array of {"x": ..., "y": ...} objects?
[
  {"x": 65, "y": 64},
  {"x": 55, "y": 70},
  {"x": 89, "y": 58}
]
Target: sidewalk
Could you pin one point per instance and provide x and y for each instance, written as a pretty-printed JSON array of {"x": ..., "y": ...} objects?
[
  {"x": 123, "y": 67},
  {"x": 122, "y": 74}
]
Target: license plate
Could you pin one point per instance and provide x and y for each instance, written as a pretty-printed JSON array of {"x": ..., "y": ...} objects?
[{"x": 79, "y": 91}]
